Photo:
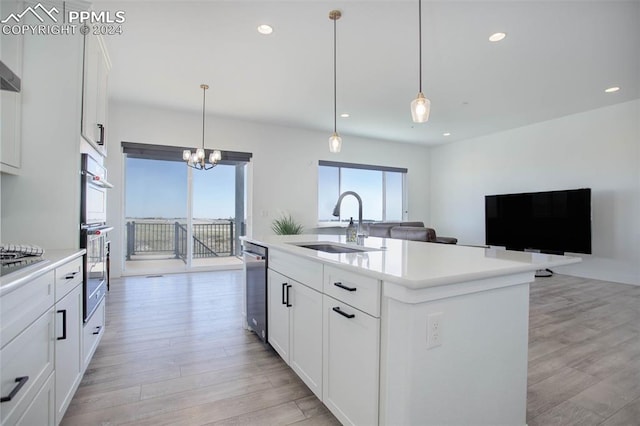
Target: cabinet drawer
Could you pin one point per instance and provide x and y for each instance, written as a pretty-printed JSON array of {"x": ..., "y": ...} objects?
[
  {"x": 353, "y": 289},
  {"x": 92, "y": 333},
  {"x": 29, "y": 355},
  {"x": 68, "y": 276},
  {"x": 22, "y": 306},
  {"x": 297, "y": 268}
]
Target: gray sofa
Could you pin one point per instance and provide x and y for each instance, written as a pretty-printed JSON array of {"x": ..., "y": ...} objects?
[{"x": 415, "y": 231}]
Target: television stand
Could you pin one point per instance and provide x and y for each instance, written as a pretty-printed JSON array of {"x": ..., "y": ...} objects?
[{"x": 544, "y": 273}]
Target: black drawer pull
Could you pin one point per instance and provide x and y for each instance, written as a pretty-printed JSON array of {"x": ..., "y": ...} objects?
[
  {"x": 344, "y": 287},
  {"x": 64, "y": 324},
  {"x": 101, "y": 128},
  {"x": 98, "y": 328},
  {"x": 20, "y": 383},
  {"x": 344, "y": 314},
  {"x": 288, "y": 304},
  {"x": 70, "y": 275},
  {"x": 284, "y": 289}
]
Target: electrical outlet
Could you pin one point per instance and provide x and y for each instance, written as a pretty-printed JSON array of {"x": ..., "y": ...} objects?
[{"x": 434, "y": 330}]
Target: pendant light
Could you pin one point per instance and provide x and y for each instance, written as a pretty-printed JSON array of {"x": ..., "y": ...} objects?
[
  {"x": 197, "y": 159},
  {"x": 420, "y": 106},
  {"x": 335, "y": 141}
]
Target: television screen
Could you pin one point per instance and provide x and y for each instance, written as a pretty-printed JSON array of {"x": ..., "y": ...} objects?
[{"x": 552, "y": 221}]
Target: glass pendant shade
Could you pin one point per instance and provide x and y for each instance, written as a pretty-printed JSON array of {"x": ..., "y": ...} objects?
[
  {"x": 186, "y": 154},
  {"x": 335, "y": 143},
  {"x": 420, "y": 108},
  {"x": 200, "y": 153},
  {"x": 215, "y": 156}
]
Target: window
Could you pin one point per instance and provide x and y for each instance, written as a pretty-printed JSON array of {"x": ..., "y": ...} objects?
[
  {"x": 186, "y": 218},
  {"x": 381, "y": 190}
]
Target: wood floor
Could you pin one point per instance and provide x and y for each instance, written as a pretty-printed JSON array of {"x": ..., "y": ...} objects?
[{"x": 174, "y": 353}]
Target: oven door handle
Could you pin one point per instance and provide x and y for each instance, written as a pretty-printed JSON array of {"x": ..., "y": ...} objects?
[{"x": 99, "y": 231}]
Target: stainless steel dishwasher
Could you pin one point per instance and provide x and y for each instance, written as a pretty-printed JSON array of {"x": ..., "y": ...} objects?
[{"x": 255, "y": 270}]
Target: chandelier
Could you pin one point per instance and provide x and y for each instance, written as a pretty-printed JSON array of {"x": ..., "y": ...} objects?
[{"x": 197, "y": 158}]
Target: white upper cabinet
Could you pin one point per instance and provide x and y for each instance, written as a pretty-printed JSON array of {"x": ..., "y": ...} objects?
[
  {"x": 94, "y": 92},
  {"x": 10, "y": 103}
]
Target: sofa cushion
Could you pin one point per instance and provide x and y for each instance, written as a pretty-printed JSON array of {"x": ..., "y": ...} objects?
[
  {"x": 414, "y": 233},
  {"x": 383, "y": 229}
]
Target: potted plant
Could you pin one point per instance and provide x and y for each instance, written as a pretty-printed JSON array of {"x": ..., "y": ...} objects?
[{"x": 286, "y": 225}]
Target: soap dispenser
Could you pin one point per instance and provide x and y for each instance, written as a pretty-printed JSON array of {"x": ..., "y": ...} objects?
[{"x": 352, "y": 232}]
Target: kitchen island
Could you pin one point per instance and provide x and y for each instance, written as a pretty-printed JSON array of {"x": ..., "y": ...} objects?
[{"x": 403, "y": 332}]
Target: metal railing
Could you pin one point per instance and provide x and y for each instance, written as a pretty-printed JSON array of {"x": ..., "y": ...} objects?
[{"x": 157, "y": 238}]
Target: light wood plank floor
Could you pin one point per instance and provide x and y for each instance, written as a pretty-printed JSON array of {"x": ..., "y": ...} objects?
[{"x": 174, "y": 353}]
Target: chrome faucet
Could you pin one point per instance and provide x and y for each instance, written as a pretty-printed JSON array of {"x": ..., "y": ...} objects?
[{"x": 336, "y": 212}]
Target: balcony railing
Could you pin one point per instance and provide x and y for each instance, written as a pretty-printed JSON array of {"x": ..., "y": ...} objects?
[{"x": 157, "y": 238}]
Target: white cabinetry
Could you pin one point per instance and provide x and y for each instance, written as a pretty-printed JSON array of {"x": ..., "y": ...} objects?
[
  {"x": 10, "y": 106},
  {"x": 94, "y": 91},
  {"x": 41, "y": 346},
  {"x": 351, "y": 346},
  {"x": 278, "y": 313},
  {"x": 295, "y": 327},
  {"x": 69, "y": 362},
  {"x": 93, "y": 331},
  {"x": 325, "y": 323}
]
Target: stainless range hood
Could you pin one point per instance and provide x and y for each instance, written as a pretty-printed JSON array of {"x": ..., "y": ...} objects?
[{"x": 10, "y": 81}]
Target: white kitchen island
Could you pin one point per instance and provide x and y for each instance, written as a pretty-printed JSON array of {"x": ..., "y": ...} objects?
[{"x": 404, "y": 332}]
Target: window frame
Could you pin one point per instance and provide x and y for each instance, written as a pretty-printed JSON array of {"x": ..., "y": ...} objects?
[{"x": 384, "y": 169}]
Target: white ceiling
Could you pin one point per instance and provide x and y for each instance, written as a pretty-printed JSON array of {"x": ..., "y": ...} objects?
[{"x": 557, "y": 59}]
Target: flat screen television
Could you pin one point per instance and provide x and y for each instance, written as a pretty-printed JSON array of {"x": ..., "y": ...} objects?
[{"x": 549, "y": 222}]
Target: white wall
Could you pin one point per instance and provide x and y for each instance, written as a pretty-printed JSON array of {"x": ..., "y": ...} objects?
[
  {"x": 599, "y": 149},
  {"x": 284, "y": 163}
]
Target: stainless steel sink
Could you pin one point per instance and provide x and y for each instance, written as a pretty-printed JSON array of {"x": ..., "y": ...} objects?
[{"x": 332, "y": 248}]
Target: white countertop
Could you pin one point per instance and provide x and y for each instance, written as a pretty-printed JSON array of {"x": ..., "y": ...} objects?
[
  {"x": 53, "y": 259},
  {"x": 415, "y": 264}
]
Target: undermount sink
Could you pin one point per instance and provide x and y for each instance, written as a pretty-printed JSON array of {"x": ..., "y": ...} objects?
[{"x": 332, "y": 248}]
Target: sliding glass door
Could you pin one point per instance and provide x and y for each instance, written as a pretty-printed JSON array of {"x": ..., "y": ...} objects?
[{"x": 178, "y": 218}]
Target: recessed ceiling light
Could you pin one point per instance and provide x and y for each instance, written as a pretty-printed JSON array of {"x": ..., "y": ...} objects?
[
  {"x": 265, "y": 29},
  {"x": 446, "y": 134},
  {"x": 497, "y": 36},
  {"x": 344, "y": 115},
  {"x": 612, "y": 89}
]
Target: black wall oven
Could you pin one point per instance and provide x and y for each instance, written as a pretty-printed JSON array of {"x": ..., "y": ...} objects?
[{"x": 93, "y": 232}]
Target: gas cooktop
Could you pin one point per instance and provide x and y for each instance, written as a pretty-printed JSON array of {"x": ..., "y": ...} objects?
[{"x": 13, "y": 264}]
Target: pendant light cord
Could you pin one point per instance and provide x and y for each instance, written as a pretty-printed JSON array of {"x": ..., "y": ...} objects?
[
  {"x": 204, "y": 95},
  {"x": 335, "y": 107},
  {"x": 420, "y": 41}
]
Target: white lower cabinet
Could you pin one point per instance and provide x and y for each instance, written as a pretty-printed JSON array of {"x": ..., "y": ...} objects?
[
  {"x": 278, "y": 313},
  {"x": 295, "y": 327},
  {"x": 41, "y": 411},
  {"x": 44, "y": 346},
  {"x": 93, "y": 331},
  {"x": 26, "y": 363},
  {"x": 325, "y": 324},
  {"x": 351, "y": 346},
  {"x": 69, "y": 360}
]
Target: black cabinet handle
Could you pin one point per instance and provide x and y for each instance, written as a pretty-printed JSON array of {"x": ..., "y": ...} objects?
[
  {"x": 344, "y": 314},
  {"x": 288, "y": 304},
  {"x": 101, "y": 140},
  {"x": 70, "y": 275},
  {"x": 284, "y": 289},
  {"x": 344, "y": 287},
  {"x": 64, "y": 324},
  {"x": 20, "y": 383},
  {"x": 98, "y": 328}
]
